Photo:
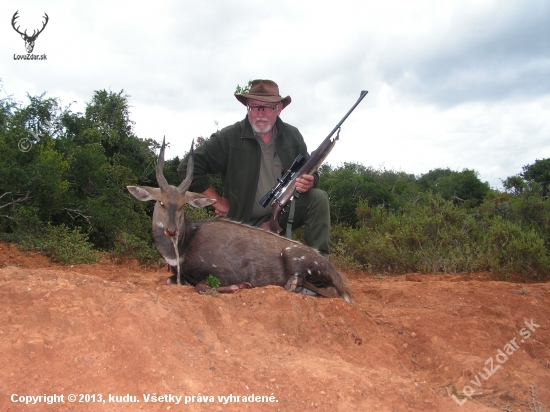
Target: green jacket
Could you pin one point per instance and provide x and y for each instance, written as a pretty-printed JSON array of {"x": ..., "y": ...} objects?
[{"x": 234, "y": 153}]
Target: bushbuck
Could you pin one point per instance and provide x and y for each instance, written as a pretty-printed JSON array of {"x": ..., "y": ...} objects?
[{"x": 237, "y": 254}]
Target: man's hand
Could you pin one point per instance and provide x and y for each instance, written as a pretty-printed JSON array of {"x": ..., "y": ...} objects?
[
  {"x": 221, "y": 207},
  {"x": 303, "y": 184}
]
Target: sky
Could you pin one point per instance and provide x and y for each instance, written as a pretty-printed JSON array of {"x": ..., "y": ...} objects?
[{"x": 459, "y": 84}]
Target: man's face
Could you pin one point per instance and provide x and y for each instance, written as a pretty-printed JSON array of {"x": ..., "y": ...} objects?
[{"x": 262, "y": 121}]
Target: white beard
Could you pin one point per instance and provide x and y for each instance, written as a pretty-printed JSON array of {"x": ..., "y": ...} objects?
[{"x": 261, "y": 130}]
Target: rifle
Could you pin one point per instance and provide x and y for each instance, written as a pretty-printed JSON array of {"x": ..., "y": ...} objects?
[{"x": 284, "y": 191}]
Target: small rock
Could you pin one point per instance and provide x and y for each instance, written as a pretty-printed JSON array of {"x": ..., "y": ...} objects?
[
  {"x": 405, "y": 346},
  {"x": 413, "y": 335},
  {"x": 400, "y": 331}
]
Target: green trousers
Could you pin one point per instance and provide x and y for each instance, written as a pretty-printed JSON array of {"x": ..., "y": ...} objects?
[{"x": 312, "y": 211}]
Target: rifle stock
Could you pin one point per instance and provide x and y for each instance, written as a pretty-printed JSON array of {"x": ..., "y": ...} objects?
[{"x": 286, "y": 194}]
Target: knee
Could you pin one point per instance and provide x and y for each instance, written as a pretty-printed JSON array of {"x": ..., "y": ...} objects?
[{"x": 319, "y": 197}]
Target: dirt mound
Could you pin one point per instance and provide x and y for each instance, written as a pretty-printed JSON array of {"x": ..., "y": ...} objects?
[{"x": 114, "y": 335}]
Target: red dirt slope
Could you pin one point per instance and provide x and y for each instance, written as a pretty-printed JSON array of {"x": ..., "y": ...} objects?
[{"x": 407, "y": 343}]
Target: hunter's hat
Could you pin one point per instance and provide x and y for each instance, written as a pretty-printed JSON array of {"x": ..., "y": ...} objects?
[{"x": 264, "y": 91}]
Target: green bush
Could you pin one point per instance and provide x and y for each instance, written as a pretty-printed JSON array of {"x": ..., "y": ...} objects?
[
  {"x": 193, "y": 214},
  {"x": 128, "y": 246},
  {"x": 60, "y": 243},
  {"x": 67, "y": 246},
  {"x": 507, "y": 248},
  {"x": 428, "y": 236},
  {"x": 438, "y": 235}
]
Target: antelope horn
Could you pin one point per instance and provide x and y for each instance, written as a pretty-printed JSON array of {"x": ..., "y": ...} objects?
[
  {"x": 161, "y": 180},
  {"x": 182, "y": 188}
]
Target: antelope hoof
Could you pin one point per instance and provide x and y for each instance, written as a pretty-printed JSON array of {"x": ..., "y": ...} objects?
[{"x": 202, "y": 287}]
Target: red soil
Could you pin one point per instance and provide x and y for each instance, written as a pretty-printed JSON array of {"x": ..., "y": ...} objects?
[{"x": 407, "y": 343}]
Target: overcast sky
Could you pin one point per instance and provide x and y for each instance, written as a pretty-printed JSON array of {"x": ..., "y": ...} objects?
[{"x": 452, "y": 83}]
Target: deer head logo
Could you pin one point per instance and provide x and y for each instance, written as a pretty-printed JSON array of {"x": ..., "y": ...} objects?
[{"x": 29, "y": 40}]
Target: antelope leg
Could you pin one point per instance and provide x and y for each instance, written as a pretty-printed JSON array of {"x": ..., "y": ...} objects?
[
  {"x": 328, "y": 292},
  {"x": 173, "y": 280},
  {"x": 233, "y": 288},
  {"x": 203, "y": 287},
  {"x": 292, "y": 283}
]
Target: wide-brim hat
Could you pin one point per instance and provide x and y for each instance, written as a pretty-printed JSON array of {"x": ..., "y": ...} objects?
[{"x": 264, "y": 91}]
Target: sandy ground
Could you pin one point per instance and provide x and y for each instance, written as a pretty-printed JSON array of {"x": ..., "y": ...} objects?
[{"x": 111, "y": 334}]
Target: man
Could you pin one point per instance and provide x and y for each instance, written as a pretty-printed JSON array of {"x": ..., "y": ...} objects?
[{"x": 250, "y": 155}]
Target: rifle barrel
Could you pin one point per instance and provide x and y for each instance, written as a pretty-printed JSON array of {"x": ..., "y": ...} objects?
[{"x": 361, "y": 96}]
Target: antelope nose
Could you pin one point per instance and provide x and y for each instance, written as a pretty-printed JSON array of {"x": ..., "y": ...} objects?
[{"x": 171, "y": 233}]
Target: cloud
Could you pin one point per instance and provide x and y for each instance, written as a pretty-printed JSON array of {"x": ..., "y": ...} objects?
[{"x": 497, "y": 53}]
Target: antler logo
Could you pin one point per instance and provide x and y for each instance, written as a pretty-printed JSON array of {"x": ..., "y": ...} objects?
[{"x": 29, "y": 40}]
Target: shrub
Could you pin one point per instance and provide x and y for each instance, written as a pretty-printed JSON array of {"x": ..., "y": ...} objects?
[
  {"x": 128, "y": 246},
  {"x": 427, "y": 236},
  {"x": 60, "y": 243},
  {"x": 508, "y": 248},
  {"x": 193, "y": 214}
]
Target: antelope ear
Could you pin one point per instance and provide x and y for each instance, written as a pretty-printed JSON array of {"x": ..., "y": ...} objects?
[
  {"x": 144, "y": 193},
  {"x": 198, "y": 200}
]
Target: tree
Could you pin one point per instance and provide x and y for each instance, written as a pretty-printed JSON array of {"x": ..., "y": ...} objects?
[
  {"x": 538, "y": 172},
  {"x": 515, "y": 185},
  {"x": 75, "y": 171},
  {"x": 352, "y": 183},
  {"x": 243, "y": 90},
  {"x": 459, "y": 187}
]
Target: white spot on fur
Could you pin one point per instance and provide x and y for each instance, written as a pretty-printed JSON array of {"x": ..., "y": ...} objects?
[
  {"x": 309, "y": 271},
  {"x": 160, "y": 225},
  {"x": 303, "y": 257},
  {"x": 171, "y": 262},
  {"x": 317, "y": 263},
  {"x": 287, "y": 248}
]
